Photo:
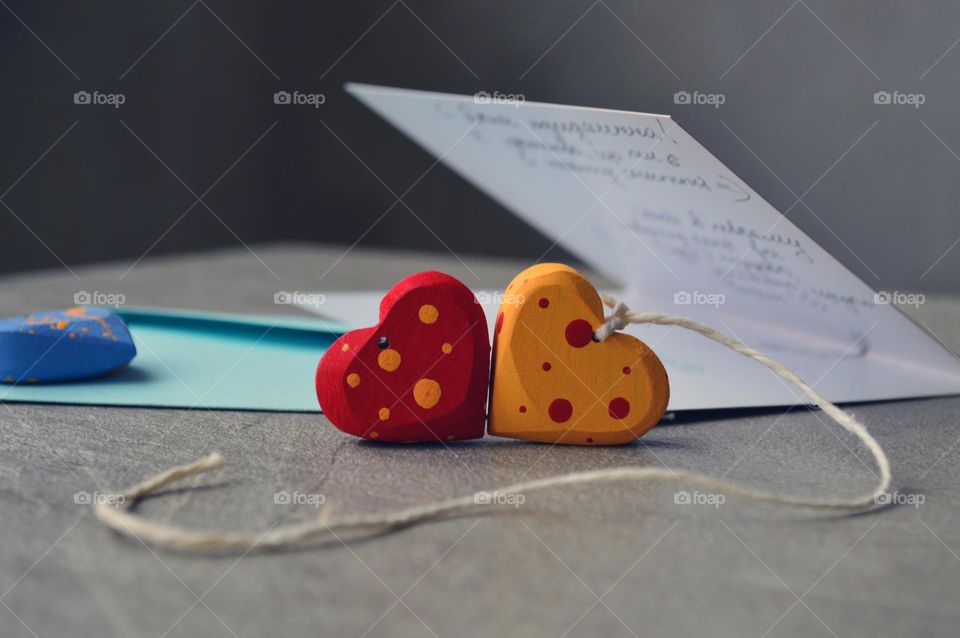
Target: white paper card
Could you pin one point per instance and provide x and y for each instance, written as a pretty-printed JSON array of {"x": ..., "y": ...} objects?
[{"x": 639, "y": 199}]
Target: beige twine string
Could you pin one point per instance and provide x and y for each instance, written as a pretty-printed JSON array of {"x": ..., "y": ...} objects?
[{"x": 121, "y": 519}]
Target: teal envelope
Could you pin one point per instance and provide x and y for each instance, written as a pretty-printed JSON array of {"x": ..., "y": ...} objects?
[{"x": 191, "y": 359}]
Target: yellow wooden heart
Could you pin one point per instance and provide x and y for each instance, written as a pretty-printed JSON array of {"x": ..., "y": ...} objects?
[{"x": 552, "y": 382}]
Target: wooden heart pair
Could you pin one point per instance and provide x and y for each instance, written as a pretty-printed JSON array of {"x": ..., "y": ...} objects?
[{"x": 421, "y": 373}]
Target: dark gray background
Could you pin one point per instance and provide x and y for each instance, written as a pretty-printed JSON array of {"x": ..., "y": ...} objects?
[{"x": 878, "y": 181}]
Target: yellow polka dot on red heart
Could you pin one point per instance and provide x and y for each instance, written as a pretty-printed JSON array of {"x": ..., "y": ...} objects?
[
  {"x": 426, "y": 392},
  {"x": 353, "y": 379},
  {"x": 389, "y": 359},
  {"x": 384, "y": 414},
  {"x": 428, "y": 313}
]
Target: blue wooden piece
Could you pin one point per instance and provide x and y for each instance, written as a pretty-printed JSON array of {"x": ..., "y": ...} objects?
[{"x": 63, "y": 345}]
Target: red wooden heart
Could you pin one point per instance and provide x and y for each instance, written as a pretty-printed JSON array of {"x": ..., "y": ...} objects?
[{"x": 420, "y": 374}]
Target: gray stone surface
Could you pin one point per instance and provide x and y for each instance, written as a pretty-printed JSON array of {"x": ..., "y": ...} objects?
[{"x": 616, "y": 560}]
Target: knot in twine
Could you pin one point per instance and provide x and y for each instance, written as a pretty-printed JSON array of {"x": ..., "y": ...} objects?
[{"x": 619, "y": 320}]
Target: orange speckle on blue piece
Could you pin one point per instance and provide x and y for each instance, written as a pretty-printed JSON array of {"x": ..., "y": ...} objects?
[{"x": 36, "y": 345}]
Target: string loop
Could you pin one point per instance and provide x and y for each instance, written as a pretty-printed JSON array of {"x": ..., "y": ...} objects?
[{"x": 122, "y": 520}]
